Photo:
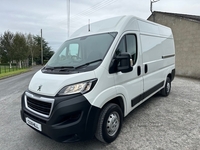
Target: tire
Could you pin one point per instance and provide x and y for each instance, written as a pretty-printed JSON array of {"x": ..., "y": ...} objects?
[
  {"x": 109, "y": 124},
  {"x": 166, "y": 90}
]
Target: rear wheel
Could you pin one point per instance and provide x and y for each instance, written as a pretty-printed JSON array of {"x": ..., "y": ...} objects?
[
  {"x": 109, "y": 125},
  {"x": 166, "y": 90}
]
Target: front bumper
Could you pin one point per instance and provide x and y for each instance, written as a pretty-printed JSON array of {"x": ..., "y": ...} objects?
[{"x": 72, "y": 118}]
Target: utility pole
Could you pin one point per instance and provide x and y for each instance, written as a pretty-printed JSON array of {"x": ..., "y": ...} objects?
[
  {"x": 151, "y": 4},
  {"x": 151, "y": 7},
  {"x": 41, "y": 49},
  {"x": 68, "y": 17}
]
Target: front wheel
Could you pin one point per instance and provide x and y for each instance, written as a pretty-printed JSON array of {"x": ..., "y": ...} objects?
[
  {"x": 109, "y": 124},
  {"x": 166, "y": 90}
]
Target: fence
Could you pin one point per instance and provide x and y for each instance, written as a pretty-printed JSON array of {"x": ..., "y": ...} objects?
[{"x": 6, "y": 68}]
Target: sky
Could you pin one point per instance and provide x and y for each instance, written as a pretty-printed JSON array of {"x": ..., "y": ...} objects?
[{"x": 30, "y": 16}]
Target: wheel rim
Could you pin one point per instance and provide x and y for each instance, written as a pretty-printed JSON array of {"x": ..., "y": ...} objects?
[
  {"x": 113, "y": 123},
  {"x": 168, "y": 87}
]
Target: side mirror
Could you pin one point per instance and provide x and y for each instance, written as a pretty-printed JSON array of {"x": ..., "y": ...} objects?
[{"x": 124, "y": 62}]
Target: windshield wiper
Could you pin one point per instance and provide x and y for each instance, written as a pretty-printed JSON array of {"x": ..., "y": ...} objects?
[
  {"x": 62, "y": 68},
  {"x": 88, "y": 63}
]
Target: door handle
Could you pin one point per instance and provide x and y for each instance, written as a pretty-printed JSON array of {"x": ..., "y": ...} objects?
[
  {"x": 145, "y": 68},
  {"x": 138, "y": 70}
]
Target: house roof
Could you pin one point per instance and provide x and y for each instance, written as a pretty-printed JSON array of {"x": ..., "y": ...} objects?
[{"x": 184, "y": 16}]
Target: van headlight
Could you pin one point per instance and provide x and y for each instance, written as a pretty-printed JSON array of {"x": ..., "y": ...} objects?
[{"x": 82, "y": 87}]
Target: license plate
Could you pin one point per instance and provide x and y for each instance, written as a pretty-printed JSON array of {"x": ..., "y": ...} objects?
[{"x": 34, "y": 124}]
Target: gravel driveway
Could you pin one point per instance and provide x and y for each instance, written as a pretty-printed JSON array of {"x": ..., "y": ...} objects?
[{"x": 161, "y": 123}]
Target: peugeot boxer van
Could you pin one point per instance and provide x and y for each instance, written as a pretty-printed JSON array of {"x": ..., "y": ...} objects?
[{"x": 97, "y": 77}]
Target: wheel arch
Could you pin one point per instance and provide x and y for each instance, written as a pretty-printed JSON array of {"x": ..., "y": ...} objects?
[
  {"x": 119, "y": 101},
  {"x": 171, "y": 75}
]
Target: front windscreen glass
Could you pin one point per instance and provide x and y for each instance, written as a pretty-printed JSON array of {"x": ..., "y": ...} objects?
[{"x": 83, "y": 51}]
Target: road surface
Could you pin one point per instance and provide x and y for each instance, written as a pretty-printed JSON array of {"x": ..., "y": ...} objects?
[{"x": 160, "y": 123}]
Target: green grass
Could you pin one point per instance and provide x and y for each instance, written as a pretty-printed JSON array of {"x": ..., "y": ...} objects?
[
  {"x": 5, "y": 69},
  {"x": 12, "y": 73}
]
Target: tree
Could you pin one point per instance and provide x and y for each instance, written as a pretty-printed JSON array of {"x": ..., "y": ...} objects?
[
  {"x": 20, "y": 48},
  {"x": 33, "y": 48},
  {"x": 47, "y": 52},
  {"x": 2, "y": 53},
  {"x": 7, "y": 51}
]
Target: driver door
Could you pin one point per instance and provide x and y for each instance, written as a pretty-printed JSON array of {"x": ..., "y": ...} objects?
[{"x": 130, "y": 84}]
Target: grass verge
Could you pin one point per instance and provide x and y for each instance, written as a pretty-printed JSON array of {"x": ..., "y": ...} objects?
[{"x": 13, "y": 73}]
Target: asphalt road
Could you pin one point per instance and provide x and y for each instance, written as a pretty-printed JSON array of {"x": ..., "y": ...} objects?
[{"x": 161, "y": 123}]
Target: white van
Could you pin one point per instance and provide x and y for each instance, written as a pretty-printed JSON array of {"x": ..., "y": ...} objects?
[{"x": 98, "y": 77}]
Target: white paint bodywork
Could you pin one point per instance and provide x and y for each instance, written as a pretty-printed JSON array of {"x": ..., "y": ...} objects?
[{"x": 153, "y": 42}]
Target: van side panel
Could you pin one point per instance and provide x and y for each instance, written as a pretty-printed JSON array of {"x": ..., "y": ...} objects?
[
  {"x": 158, "y": 55},
  {"x": 168, "y": 53},
  {"x": 151, "y": 48}
]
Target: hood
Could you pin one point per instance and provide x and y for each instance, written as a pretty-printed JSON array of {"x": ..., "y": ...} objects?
[{"x": 51, "y": 84}]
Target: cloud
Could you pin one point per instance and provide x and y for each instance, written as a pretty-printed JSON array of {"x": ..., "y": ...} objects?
[{"x": 51, "y": 16}]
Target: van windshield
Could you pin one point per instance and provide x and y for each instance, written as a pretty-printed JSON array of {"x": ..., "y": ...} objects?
[{"x": 81, "y": 52}]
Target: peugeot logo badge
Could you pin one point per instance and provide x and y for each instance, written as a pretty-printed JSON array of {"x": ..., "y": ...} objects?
[{"x": 39, "y": 88}]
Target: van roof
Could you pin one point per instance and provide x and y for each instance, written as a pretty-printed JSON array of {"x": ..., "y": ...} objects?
[{"x": 121, "y": 24}]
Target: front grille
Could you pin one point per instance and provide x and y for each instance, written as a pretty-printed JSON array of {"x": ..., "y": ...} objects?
[{"x": 39, "y": 105}]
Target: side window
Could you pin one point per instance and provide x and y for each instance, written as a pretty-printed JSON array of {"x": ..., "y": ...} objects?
[
  {"x": 121, "y": 47},
  {"x": 128, "y": 44},
  {"x": 73, "y": 50},
  {"x": 131, "y": 46}
]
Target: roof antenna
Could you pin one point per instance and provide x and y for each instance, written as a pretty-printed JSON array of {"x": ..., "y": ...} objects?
[{"x": 88, "y": 25}]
